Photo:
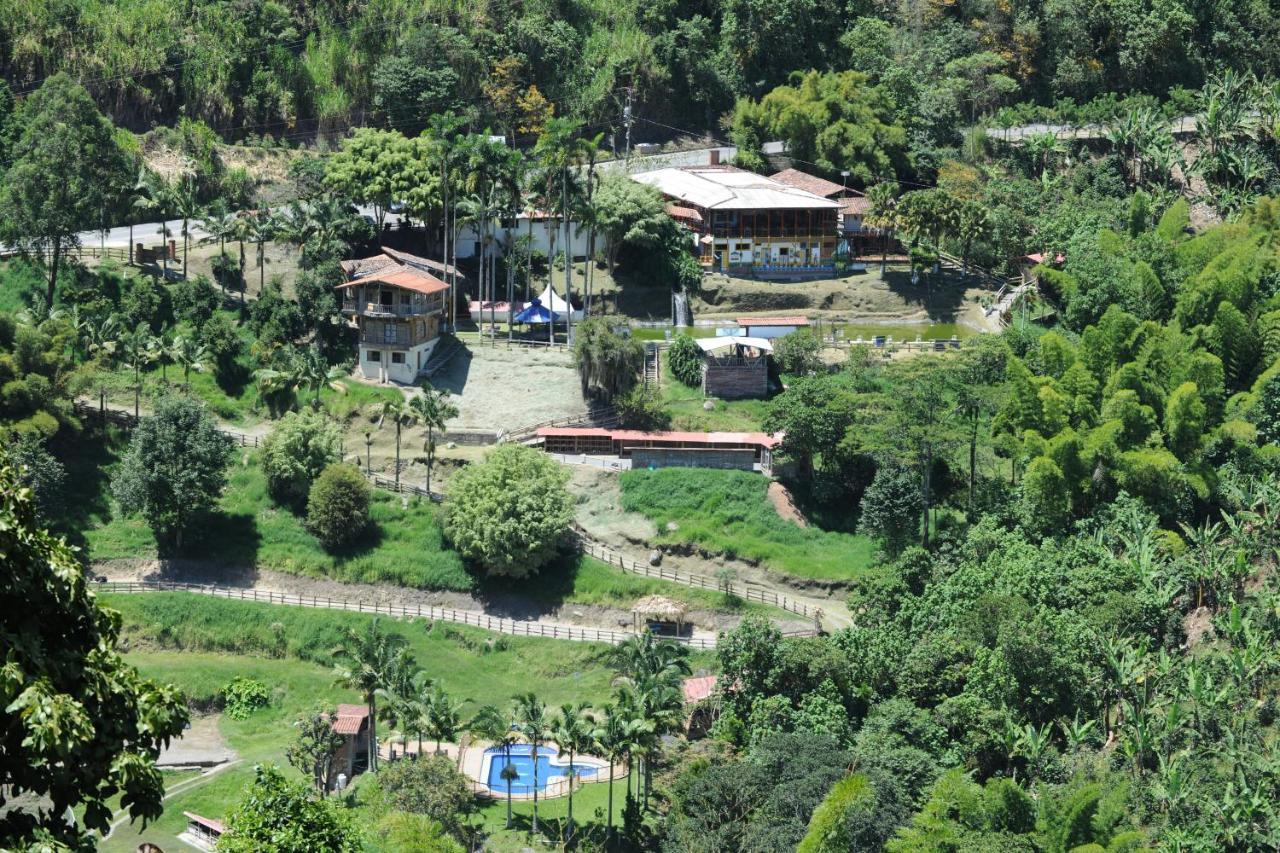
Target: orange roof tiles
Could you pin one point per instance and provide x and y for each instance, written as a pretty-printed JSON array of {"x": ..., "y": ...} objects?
[
  {"x": 697, "y": 689},
  {"x": 809, "y": 183}
]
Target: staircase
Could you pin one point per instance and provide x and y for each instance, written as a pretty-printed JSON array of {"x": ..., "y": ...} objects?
[
  {"x": 652, "y": 365},
  {"x": 441, "y": 355}
]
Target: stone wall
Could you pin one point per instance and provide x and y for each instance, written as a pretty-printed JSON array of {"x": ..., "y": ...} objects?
[{"x": 680, "y": 457}]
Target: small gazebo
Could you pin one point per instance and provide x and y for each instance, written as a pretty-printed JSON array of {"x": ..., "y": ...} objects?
[{"x": 658, "y": 608}]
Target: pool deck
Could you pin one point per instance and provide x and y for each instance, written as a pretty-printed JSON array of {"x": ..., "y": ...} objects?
[{"x": 473, "y": 760}]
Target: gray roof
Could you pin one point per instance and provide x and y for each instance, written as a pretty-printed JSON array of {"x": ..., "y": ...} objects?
[{"x": 726, "y": 188}]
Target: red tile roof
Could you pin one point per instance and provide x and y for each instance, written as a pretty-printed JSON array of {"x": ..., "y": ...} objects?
[
  {"x": 855, "y": 205},
  {"x": 350, "y": 719},
  {"x": 697, "y": 689},
  {"x": 680, "y": 212},
  {"x": 1038, "y": 258},
  {"x": 809, "y": 183},
  {"x": 407, "y": 278},
  {"x": 624, "y": 435},
  {"x": 773, "y": 321}
]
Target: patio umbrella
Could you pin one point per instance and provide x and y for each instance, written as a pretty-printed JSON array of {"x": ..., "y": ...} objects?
[{"x": 536, "y": 312}]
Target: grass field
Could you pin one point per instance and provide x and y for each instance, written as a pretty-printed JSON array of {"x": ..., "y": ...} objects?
[
  {"x": 200, "y": 644},
  {"x": 685, "y": 405},
  {"x": 729, "y": 512},
  {"x": 405, "y": 545}
]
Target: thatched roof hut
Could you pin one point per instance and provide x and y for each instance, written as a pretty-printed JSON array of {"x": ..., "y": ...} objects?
[{"x": 660, "y": 608}]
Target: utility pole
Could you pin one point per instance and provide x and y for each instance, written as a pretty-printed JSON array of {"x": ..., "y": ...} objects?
[{"x": 628, "y": 119}]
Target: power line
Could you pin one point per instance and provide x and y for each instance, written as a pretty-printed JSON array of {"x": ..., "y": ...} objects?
[{"x": 880, "y": 178}]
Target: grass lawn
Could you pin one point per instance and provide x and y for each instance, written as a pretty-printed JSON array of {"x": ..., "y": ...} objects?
[
  {"x": 405, "y": 545},
  {"x": 685, "y": 405},
  {"x": 729, "y": 512},
  {"x": 586, "y": 580},
  {"x": 199, "y": 644}
]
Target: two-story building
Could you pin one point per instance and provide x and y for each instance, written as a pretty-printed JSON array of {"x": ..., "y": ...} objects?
[
  {"x": 749, "y": 224},
  {"x": 398, "y": 307}
]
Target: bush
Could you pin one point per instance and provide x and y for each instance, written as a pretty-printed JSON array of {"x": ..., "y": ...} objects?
[
  {"x": 428, "y": 786},
  {"x": 510, "y": 512},
  {"x": 195, "y": 300},
  {"x": 685, "y": 357},
  {"x": 242, "y": 696},
  {"x": 797, "y": 353},
  {"x": 39, "y": 471},
  {"x": 295, "y": 453},
  {"x": 641, "y": 408},
  {"x": 338, "y": 506},
  {"x": 891, "y": 508}
]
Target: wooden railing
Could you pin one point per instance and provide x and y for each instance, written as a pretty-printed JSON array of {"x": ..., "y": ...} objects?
[
  {"x": 607, "y": 555},
  {"x": 604, "y": 416},
  {"x": 499, "y": 625},
  {"x": 128, "y": 421}
]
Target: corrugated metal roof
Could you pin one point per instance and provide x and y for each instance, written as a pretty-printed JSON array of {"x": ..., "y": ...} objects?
[
  {"x": 712, "y": 188},
  {"x": 208, "y": 822}
]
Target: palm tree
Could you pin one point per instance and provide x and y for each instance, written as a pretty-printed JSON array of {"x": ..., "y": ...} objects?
[
  {"x": 433, "y": 409},
  {"x": 883, "y": 216},
  {"x": 317, "y": 374},
  {"x": 261, "y": 227},
  {"x": 573, "y": 730},
  {"x": 366, "y": 662},
  {"x": 277, "y": 384},
  {"x": 535, "y": 727},
  {"x": 191, "y": 354},
  {"x": 611, "y": 740},
  {"x": 500, "y": 729},
  {"x": 162, "y": 347},
  {"x": 220, "y": 224},
  {"x": 402, "y": 416},
  {"x": 185, "y": 201},
  {"x": 558, "y": 151},
  {"x": 445, "y": 716},
  {"x": 442, "y": 150},
  {"x": 137, "y": 353},
  {"x": 1042, "y": 149},
  {"x": 148, "y": 196}
]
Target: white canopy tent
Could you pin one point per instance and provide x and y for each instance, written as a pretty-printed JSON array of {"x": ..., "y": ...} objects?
[
  {"x": 556, "y": 303},
  {"x": 726, "y": 341}
]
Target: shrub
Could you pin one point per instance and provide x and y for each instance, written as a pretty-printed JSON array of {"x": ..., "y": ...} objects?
[
  {"x": 428, "y": 786},
  {"x": 798, "y": 353},
  {"x": 891, "y": 508},
  {"x": 685, "y": 358},
  {"x": 195, "y": 300},
  {"x": 295, "y": 453},
  {"x": 641, "y": 408},
  {"x": 242, "y": 696},
  {"x": 510, "y": 512},
  {"x": 338, "y": 506}
]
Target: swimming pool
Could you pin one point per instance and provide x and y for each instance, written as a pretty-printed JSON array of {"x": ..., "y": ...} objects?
[{"x": 551, "y": 766}]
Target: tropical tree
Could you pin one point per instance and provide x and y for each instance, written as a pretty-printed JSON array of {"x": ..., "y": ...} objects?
[
  {"x": 260, "y": 227},
  {"x": 184, "y": 200},
  {"x": 611, "y": 740},
  {"x": 402, "y": 416},
  {"x": 883, "y": 216},
  {"x": 444, "y": 716},
  {"x": 433, "y": 410},
  {"x": 136, "y": 353},
  {"x": 189, "y": 353},
  {"x": 558, "y": 151},
  {"x": 608, "y": 363},
  {"x": 535, "y": 726},
  {"x": 366, "y": 661},
  {"x": 317, "y": 374},
  {"x": 501, "y": 730},
  {"x": 574, "y": 730}
]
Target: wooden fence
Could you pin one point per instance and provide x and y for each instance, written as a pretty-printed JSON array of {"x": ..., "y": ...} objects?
[
  {"x": 128, "y": 421},
  {"x": 741, "y": 590},
  {"x": 499, "y": 625},
  {"x": 605, "y": 416}
]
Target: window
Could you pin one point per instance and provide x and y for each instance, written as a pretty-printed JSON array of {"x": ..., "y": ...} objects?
[
  {"x": 782, "y": 252},
  {"x": 384, "y": 297},
  {"x": 388, "y": 333},
  {"x": 397, "y": 358},
  {"x": 742, "y": 247},
  {"x": 372, "y": 355}
]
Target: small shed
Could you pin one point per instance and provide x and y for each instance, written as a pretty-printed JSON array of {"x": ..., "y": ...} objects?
[
  {"x": 202, "y": 832},
  {"x": 735, "y": 366},
  {"x": 657, "y": 608},
  {"x": 352, "y": 722},
  {"x": 701, "y": 705}
]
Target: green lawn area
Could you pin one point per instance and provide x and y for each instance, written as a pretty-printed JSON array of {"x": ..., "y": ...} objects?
[
  {"x": 729, "y": 512},
  {"x": 684, "y": 404},
  {"x": 405, "y": 545},
  {"x": 200, "y": 644},
  {"x": 19, "y": 282}
]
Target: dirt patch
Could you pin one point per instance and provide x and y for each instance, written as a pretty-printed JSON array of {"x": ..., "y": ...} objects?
[
  {"x": 783, "y": 501},
  {"x": 200, "y": 745},
  {"x": 498, "y": 388},
  {"x": 600, "y": 511},
  {"x": 1198, "y": 626}
]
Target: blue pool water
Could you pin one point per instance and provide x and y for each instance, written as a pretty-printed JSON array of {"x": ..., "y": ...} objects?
[{"x": 521, "y": 756}]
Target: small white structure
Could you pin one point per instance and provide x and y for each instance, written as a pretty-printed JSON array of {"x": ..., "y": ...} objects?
[{"x": 533, "y": 225}]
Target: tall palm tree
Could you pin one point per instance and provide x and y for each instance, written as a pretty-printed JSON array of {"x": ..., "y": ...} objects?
[
  {"x": 535, "y": 726},
  {"x": 261, "y": 227},
  {"x": 402, "y": 416},
  {"x": 367, "y": 661},
  {"x": 219, "y": 224},
  {"x": 557, "y": 151},
  {"x": 442, "y": 150},
  {"x": 573, "y": 730},
  {"x": 191, "y": 354},
  {"x": 185, "y": 201},
  {"x": 445, "y": 716},
  {"x": 883, "y": 216},
  {"x": 148, "y": 197},
  {"x": 162, "y": 349},
  {"x": 500, "y": 729},
  {"x": 136, "y": 351},
  {"x": 610, "y": 741},
  {"x": 433, "y": 409}
]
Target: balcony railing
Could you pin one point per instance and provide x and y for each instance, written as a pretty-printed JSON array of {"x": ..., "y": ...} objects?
[{"x": 377, "y": 309}]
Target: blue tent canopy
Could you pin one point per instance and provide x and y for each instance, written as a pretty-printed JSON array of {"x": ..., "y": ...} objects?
[{"x": 536, "y": 312}]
